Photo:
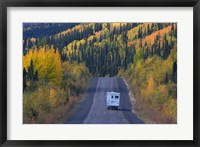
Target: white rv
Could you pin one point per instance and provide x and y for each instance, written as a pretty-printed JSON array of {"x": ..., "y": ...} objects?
[{"x": 113, "y": 100}]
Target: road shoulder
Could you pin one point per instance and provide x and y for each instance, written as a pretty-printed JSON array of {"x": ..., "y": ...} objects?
[{"x": 84, "y": 106}]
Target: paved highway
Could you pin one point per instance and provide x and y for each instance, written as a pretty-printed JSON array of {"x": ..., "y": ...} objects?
[{"x": 93, "y": 110}]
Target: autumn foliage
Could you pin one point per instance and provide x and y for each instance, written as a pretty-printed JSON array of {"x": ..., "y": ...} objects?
[
  {"x": 47, "y": 62},
  {"x": 51, "y": 97},
  {"x": 153, "y": 79}
]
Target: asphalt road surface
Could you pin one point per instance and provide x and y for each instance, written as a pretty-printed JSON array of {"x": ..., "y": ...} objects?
[{"x": 93, "y": 110}]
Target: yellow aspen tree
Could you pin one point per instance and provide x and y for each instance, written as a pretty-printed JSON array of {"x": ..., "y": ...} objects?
[
  {"x": 27, "y": 59},
  {"x": 53, "y": 99},
  {"x": 47, "y": 62},
  {"x": 150, "y": 87}
]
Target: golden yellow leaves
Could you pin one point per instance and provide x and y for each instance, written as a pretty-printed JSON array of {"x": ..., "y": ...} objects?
[
  {"x": 47, "y": 62},
  {"x": 154, "y": 88},
  {"x": 27, "y": 59},
  {"x": 149, "y": 91},
  {"x": 151, "y": 38}
]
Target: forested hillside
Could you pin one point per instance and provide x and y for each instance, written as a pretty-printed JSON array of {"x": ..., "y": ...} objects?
[{"x": 59, "y": 58}]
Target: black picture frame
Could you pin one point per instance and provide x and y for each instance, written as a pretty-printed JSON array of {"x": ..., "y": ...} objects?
[{"x": 97, "y": 3}]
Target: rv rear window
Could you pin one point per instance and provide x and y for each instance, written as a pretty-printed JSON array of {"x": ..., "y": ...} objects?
[{"x": 117, "y": 97}]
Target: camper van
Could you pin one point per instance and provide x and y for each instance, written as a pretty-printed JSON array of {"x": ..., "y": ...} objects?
[{"x": 113, "y": 100}]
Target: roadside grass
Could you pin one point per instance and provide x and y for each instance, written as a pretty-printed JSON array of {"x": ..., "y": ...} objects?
[
  {"x": 147, "y": 110},
  {"x": 40, "y": 109},
  {"x": 153, "y": 83}
]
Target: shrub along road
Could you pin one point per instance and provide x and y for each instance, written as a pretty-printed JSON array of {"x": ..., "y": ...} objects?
[{"x": 93, "y": 110}]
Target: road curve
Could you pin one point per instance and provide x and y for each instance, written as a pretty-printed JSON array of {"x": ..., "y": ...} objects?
[{"x": 93, "y": 109}]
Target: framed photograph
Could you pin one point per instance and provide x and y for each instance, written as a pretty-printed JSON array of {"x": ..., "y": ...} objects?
[{"x": 82, "y": 73}]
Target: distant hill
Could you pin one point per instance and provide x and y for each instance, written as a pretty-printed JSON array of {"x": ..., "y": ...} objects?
[
  {"x": 103, "y": 47},
  {"x": 38, "y": 30}
]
